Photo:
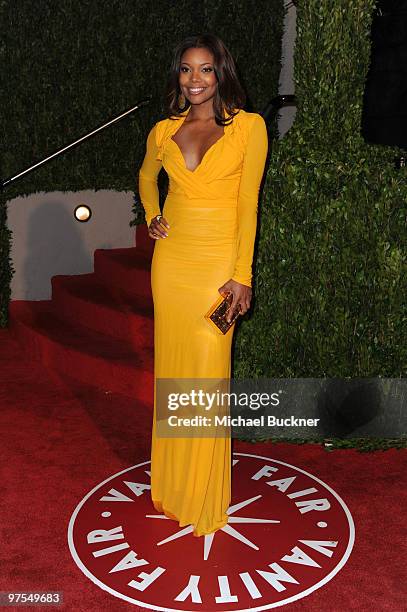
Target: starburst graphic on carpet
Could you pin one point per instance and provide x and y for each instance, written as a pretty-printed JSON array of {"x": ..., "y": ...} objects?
[{"x": 208, "y": 539}]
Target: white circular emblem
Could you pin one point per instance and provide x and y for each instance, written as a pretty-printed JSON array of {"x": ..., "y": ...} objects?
[{"x": 287, "y": 535}]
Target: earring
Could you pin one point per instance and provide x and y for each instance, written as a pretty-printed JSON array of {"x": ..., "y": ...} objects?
[{"x": 181, "y": 101}]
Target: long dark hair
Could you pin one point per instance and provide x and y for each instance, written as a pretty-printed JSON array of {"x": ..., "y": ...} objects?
[{"x": 229, "y": 95}]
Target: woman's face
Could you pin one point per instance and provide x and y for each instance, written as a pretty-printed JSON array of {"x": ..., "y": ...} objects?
[{"x": 197, "y": 77}]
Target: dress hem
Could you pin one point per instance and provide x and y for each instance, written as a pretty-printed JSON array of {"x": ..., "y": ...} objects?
[{"x": 159, "y": 507}]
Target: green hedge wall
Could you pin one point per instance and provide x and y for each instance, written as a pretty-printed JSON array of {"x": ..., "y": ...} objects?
[
  {"x": 330, "y": 278},
  {"x": 67, "y": 67}
]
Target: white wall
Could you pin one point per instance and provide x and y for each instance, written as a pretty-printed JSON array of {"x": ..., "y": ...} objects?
[
  {"x": 286, "y": 114},
  {"x": 48, "y": 240}
]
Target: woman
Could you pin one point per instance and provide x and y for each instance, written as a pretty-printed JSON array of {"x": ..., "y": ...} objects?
[{"x": 214, "y": 154}]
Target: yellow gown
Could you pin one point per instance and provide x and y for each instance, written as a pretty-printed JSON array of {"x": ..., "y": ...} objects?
[{"x": 212, "y": 213}]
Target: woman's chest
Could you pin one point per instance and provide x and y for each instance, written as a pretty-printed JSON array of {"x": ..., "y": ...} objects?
[
  {"x": 195, "y": 142},
  {"x": 221, "y": 159}
]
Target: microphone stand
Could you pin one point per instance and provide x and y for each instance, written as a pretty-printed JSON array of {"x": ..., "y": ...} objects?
[{"x": 11, "y": 179}]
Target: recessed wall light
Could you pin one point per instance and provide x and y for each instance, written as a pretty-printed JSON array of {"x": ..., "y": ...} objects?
[{"x": 82, "y": 213}]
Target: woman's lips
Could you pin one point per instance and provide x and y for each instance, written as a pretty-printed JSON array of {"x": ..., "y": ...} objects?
[{"x": 195, "y": 91}]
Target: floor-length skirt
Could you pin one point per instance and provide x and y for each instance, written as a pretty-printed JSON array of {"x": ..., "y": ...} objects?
[{"x": 191, "y": 476}]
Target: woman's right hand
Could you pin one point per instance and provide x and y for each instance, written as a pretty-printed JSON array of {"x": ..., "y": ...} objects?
[{"x": 156, "y": 229}]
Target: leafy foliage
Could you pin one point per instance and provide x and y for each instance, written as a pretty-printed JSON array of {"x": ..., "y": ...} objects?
[
  {"x": 68, "y": 67},
  {"x": 330, "y": 277}
]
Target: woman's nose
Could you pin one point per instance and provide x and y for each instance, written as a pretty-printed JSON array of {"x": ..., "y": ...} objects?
[{"x": 195, "y": 76}]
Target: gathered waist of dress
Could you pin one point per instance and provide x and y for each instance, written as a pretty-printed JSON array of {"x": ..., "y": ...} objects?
[
  {"x": 183, "y": 202},
  {"x": 195, "y": 223}
]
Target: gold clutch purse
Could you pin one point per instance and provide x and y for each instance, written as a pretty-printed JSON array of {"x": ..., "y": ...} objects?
[{"x": 216, "y": 315}]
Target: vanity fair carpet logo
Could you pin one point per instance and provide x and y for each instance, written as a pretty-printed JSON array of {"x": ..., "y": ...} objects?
[{"x": 287, "y": 535}]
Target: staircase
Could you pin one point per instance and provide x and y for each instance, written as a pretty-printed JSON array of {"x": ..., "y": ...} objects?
[{"x": 98, "y": 328}]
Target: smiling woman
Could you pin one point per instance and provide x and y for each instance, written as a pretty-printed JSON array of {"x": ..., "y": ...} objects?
[
  {"x": 214, "y": 153},
  {"x": 197, "y": 81}
]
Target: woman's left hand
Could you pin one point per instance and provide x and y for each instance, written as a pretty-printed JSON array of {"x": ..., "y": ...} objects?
[{"x": 242, "y": 295}]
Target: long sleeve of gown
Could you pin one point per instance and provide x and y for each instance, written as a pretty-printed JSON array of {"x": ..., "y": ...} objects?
[
  {"x": 148, "y": 174},
  {"x": 252, "y": 172}
]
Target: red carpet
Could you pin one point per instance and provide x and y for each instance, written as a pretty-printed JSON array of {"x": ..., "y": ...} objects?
[
  {"x": 62, "y": 438},
  {"x": 99, "y": 326}
]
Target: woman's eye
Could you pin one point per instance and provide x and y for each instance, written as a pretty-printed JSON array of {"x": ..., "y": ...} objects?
[{"x": 185, "y": 68}]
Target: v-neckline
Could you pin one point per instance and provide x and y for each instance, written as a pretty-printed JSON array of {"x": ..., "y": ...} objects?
[{"x": 207, "y": 150}]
